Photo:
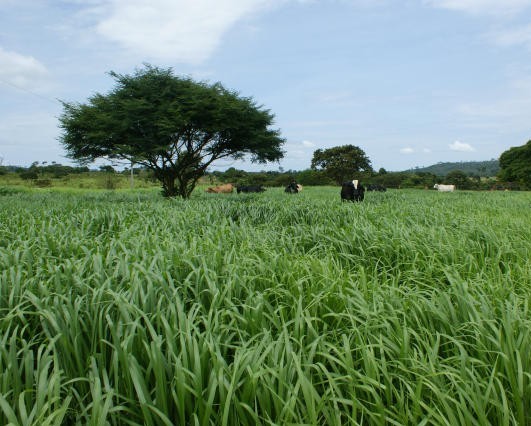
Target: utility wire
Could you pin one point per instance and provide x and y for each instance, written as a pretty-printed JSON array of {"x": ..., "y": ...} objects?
[{"x": 28, "y": 91}]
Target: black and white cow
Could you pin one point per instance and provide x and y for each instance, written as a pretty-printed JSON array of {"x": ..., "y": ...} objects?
[
  {"x": 376, "y": 187},
  {"x": 293, "y": 188},
  {"x": 352, "y": 191},
  {"x": 250, "y": 188}
]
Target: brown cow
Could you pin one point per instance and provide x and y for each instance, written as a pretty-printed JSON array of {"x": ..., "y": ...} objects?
[{"x": 221, "y": 189}]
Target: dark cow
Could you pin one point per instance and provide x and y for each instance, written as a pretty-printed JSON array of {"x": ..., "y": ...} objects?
[
  {"x": 352, "y": 191},
  {"x": 293, "y": 188},
  {"x": 250, "y": 188},
  {"x": 376, "y": 187}
]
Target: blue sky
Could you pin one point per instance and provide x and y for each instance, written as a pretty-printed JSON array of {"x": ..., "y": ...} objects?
[{"x": 411, "y": 82}]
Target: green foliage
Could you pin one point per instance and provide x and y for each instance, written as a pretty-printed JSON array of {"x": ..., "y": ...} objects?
[
  {"x": 470, "y": 168},
  {"x": 312, "y": 178},
  {"x": 458, "y": 178},
  {"x": 145, "y": 178},
  {"x": 107, "y": 168},
  {"x": 29, "y": 174},
  {"x": 402, "y": 180},
  {"x": 11, "y": 190},
  {"x": 410, "y": 308},
  {"x": 234, "y": 175},
  {"x": 42, "y": 183},
  {"x": 54, "y": 170},
  {"x": 272, "y": 178},
  {"x": 172, "y": 125},
  {"x": 515, "y": 165},
  {"x": 110, "y": 181},
  {"x": 57, "y": 170},
  {"x": 341, "y": 163}
]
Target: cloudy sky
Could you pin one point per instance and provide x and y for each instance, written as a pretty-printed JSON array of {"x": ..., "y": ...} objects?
[{"x": 411, "y": 82}]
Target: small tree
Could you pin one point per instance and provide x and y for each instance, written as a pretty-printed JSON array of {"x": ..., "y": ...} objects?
[
  {"x": 107, "y": 168},
  {"x": 174, "y": 126},
  {"x": 312, "y": 178},
  {"x": 515, "y": 165},
  {"x": 341, "y": 162}
]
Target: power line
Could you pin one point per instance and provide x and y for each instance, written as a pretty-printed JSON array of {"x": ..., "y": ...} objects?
[{"x": 28, "y": 91}]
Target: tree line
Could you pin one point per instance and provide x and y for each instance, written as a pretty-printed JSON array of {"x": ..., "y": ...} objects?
[
  {"x": 397, "y": 180},
  {"x": 487, "y": 168},
  {"x": 42, "y": 174}
]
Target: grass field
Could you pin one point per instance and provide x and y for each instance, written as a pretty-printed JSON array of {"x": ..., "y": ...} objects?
[{"x": 124, "y": 308}]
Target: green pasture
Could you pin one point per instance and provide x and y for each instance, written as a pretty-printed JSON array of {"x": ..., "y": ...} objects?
[
  {"x": 90, "y": 180},
  {"x": 124, "y": 308}
]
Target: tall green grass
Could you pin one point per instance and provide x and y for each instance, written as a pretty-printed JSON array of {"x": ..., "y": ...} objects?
[{"x": 127, "y": 309}]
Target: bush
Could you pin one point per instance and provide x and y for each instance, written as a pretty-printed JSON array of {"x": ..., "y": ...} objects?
[
  {"x": 43, "y": 183},
  {"x": 109, "y": 182},
  {"x": 29, "y": 174},
  {"x": 10, "y": 190}
]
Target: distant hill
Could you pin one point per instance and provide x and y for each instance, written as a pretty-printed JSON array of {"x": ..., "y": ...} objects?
[{"x": 478, "y": 168}]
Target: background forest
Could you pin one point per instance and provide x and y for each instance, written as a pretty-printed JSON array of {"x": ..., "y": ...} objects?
[{"x": 474, "y": 175}]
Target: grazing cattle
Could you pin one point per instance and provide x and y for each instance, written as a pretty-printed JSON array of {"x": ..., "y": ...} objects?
[
  {"x": 293, "y": 188},
  {"x": 221, "y": 189},
  {"x": 250, "y": 188},
  {"x": 352, "y": 191},
  {"x": 376, "y": 187},
  {"x": 444, "y": 188}
]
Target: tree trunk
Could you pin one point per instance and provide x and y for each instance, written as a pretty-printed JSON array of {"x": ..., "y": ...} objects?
[
  {"x": 186, "y": 187},
  {"x": 186, "y": 182},
  {"x": 168, "y": 186}
]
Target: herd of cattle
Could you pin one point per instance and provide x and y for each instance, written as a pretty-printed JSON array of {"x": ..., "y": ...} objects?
[
  {"x": 292, "y": 188},
  {"x": 350, "y": 190}
]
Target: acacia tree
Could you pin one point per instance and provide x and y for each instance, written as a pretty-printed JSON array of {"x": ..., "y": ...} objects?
[
  {"x": 341, "y": 162},
  {"x": 174, "y": 126},
  {"x": 515, "y": 165}
]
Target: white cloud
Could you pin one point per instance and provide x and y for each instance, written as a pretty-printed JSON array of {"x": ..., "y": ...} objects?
[
  {"x": 426, "y": 150},
  {"x": 181, "y": 30},
  {"x": 491, "y": 7},
  {"x": 23, "y": 72},
  {"x": 461, "y": 147},
  {"x": 308, "y": 144},
  {"x": 407, "y": 150}
]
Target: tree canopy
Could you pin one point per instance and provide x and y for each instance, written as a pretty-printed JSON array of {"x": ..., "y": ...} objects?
[
  {"x": 458, "y": 178},
  {"x": 515, "y": 164},
  {"x": 341, "y": 162},
  {"x": 487, "y": 168},
  {"x": 172, "y": 125}
]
